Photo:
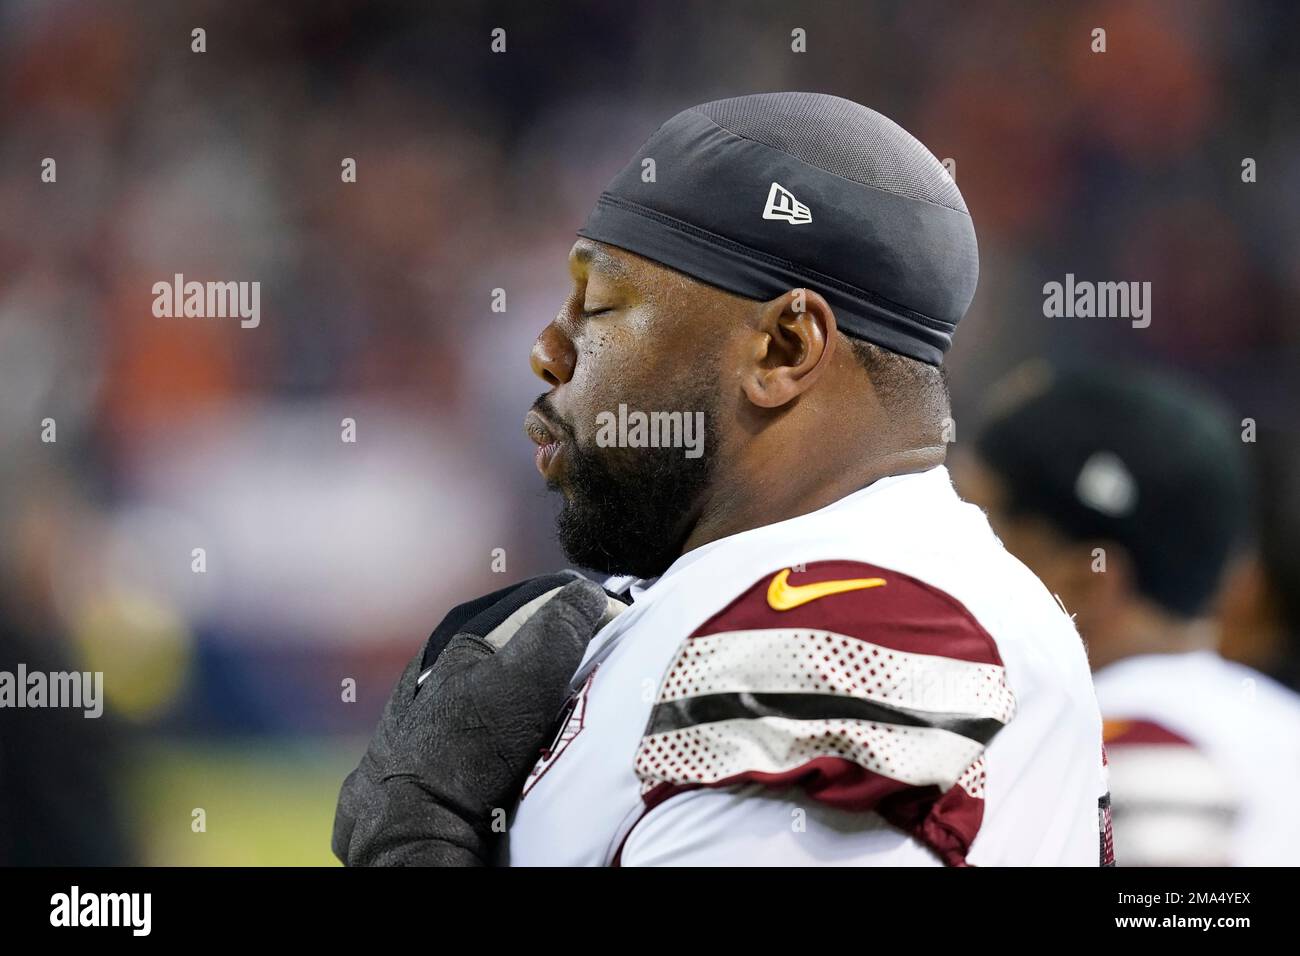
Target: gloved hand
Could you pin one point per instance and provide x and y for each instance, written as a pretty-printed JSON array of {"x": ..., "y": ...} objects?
[{"x": 465, "y": 725}]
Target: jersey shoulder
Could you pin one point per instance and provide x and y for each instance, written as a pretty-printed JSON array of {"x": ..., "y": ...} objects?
[{"x": 870, "y": 689}]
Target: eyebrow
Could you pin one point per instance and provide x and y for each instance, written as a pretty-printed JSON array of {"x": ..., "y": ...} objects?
[{"x": 595, "y": 256}]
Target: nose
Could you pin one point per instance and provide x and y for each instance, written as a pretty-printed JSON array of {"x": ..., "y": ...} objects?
[{"x": 553, "y": 357}]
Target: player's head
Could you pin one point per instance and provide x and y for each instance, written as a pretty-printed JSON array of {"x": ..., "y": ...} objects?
[
  {"x": 1125, "y": 492},
  {"x": 791, "y": 267}
]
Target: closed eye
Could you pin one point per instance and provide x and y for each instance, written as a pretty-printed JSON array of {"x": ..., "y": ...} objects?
[{"x": 592, "y": 313}]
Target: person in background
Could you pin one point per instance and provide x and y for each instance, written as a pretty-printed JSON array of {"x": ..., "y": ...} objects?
[
  {"x": 63, "y": 777},
  {"x": 1127, "y": 494},
  {"x": 1260, "y": 606}
]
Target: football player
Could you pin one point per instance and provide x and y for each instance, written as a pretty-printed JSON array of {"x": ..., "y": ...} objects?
[
  {"x": 827, "y": 657},
  {"x": 1126, "y": 494}
]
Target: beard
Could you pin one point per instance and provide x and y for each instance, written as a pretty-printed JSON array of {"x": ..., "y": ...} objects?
[{"x": 630, "y": 510}]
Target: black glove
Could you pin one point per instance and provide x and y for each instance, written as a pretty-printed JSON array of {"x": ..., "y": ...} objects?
[{"x": 466, "y": 724}]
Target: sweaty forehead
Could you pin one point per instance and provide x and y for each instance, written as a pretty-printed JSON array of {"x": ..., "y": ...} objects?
[
  {"x": 589, "y": 258},
  {"x": 599, "y": 259}
]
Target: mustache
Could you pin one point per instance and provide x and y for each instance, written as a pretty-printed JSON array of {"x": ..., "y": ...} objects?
[{"x": 543, "y": 406}]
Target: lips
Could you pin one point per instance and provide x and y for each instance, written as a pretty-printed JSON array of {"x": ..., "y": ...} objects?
[{"x": 549, "y": 446}]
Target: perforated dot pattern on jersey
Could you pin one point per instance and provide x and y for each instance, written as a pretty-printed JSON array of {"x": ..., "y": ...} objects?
[
  {"x": 973, "y": 778},
  {"x": 708, "y": 753},
  {"x": 794, "y": 661}
]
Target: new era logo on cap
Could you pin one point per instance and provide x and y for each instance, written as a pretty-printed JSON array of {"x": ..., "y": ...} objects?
[
  {"x": 1105, "y": 484},
  {"x": 781, "y": 204}
]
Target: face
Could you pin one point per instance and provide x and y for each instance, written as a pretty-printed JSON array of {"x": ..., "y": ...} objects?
[{"x": 630, "y": 334}]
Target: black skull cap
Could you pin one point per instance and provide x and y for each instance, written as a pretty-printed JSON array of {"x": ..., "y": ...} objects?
[{"x": 761, "y": 194}]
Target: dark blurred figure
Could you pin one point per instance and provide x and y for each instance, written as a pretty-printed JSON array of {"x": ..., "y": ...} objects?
[
  {"x": 60, "y": 771},
  {"x": 1260, "y": 608},
  {"x": 57, "y": 786},
  {"x": 1127, "y": 495}
]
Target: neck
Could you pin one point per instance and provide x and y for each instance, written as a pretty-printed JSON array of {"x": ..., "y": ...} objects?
[
  {"x": 1148, "y": 631},
  {"x": 746, "y": 503}
]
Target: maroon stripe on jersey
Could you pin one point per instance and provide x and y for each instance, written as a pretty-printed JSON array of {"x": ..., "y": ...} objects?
[
  {"x": 1117, "y": 733},
  {"x": 649, "y": 800},
  {"x": 945, "y": 822},
  {"x": 905, "y": 614}
]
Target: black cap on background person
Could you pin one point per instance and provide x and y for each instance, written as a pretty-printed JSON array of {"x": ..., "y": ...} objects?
[{"x": 1124, "y": 491}]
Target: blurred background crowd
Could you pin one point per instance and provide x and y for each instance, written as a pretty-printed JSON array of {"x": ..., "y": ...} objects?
[{"x": 326, "y": 559}]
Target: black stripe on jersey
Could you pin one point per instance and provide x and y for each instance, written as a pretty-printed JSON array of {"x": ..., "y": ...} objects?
[{"x": 709, "y": 708}]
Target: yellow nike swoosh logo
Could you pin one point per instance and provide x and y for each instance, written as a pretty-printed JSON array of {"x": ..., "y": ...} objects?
[
  {"x": 782, "y": 596},
  {"x": 1110, "y": 729}
]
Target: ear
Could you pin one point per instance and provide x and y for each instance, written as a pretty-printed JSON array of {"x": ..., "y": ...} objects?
[{"x": 791, "y": 347}]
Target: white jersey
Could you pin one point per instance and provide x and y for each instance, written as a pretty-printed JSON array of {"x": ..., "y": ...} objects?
[
  {"x": 1204, "y": 761},
  {"x": 875, "y": 683}
]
